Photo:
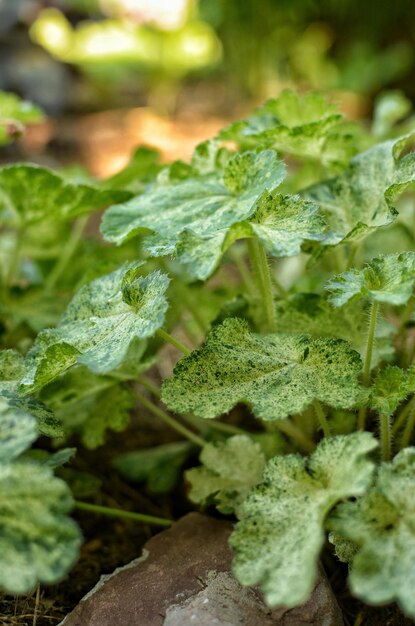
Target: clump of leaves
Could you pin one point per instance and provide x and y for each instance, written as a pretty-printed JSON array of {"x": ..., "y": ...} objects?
[{"x": 311, "y": 335}]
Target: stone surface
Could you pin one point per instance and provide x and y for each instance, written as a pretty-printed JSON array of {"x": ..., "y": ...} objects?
[{"x": 184, "y": 579}]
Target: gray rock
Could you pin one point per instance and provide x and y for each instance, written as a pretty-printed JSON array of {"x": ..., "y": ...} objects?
[{"x": 184, "y": 579}]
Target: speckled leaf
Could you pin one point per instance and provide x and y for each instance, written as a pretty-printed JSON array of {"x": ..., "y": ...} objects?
[
  {"x": 303, "y": 126},
  {"x": 282, "y": 223},
  {"x": 392, "y": 385},
  {"x": 279, "y": 538},
  {"x": 100, "y": 323},
  {"x": 312, "y": 314},
  {"x": 31, "y": 193},
  {"x": 388, "y": 279},
  {"x": 159, "y": 467},
  {"x": 360, "y": 199},
  {"x": 38, "y": 542},
  {"x": 276, "y": 375},
  {"x": 17, "y": 430},
  {"x": 381, "y": 526},
  {"x": 196, "y": 211},
  {"x": 12, "y": 370},
  {"x": 229, "y": 471}
]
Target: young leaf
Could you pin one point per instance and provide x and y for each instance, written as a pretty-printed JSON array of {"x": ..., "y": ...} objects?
[
  {"x": 360, "y": 199},
  {"x": 381, "y": 527},
  {"x": 280, "y": 535},
  {"x": 388, "y": 279},
  {"x": 31, "y": 193},
  {"x": 392, "y": 385},
  {"x": 303, "y": 126},
  {"x": 159, "y": 467},
  {"x": 282, "y": 223},
  {"x": 196, "y": 211},
  {"x": 276, "y": 375},
  {"x": 99, "y": 324},
  {"x": 312, "y": 314},
  {"x": 229, "y": 471}
]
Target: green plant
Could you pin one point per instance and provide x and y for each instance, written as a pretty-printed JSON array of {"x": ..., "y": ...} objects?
[{"x": 307, "y": 323}]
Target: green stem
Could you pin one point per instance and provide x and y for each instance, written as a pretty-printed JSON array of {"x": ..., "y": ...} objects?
[
  {"x": 368, "y": 360},
  {"x": 14, "y": 259},
  {"x": 203, "y": 424},
  {"x": 385, "y": 437},
  {"x": 321, "y": 418},
  {"x": 294, "y": 433},
  {"x": 67, "y": 253},
  {"x": 407, "y": 313},
  {"x": 401, "y": 417},
  {"x": 192, "y": 307},
  {"x": 243, "y": 271},
  {"x": 409, "y": 427},
  {"x": 155, "y": 391},
  {"x": 165, "y": 336},
  {"x": 168, "y": 419},
  {"x": 260, "y": 265},
  {"x": 352, "y": 256},
  {"x": 111, "y": 512}
]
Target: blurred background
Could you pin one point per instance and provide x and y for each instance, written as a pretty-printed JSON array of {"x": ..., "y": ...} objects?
[{"x": 114, "y": 74}]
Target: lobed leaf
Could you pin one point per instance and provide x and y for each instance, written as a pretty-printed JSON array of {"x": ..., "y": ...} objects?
[
  {"x": 312, "y": 314},
  {"x": 391, "y": 386},
  {"x": 38, "y": 542},
  {"x": 191, "y": 216},
  {"x": 360, "y": 200},
  {"x": 31, "y": 194},
  {"x": 229, "y": 471},
  {"x": 380, "y": 526},
  {"x": 279, "y": 538},
  {"x": 303, "y": 126},
  {"x": 158, "y": 467},
  {"x": 389, "y": 279},
  {"x": 99, "y": 324},
  {"x": 276, "y": 375}
]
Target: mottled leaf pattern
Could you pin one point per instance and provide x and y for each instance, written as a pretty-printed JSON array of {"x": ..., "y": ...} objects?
[
  {"x": 100, "y": 323},
  {"x": 276, "y": 375},
  {"x": 381, "y": 527},
  {"x": 229, "y": 471},
  {"x": 196, "y": 211},
  {"x": 279, "y": 538},
  {"x": 388, "y": 279}
]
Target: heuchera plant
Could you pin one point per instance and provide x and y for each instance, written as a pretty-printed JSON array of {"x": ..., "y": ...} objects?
[{"x": 280, "y": 262}]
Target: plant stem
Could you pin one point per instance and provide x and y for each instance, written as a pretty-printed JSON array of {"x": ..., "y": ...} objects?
[
  {"x": 111, "y": 512},
  {"x": 165, "y": 336},
  {"x": 368, "y": 360},
  {"x": 385, "y": 436},
  {"x": 294, "y": 433},
  {"x": 198, "y": 422},
  {"x": 400, "y": 420},
  {"x": 409, "y": 427},
  {"x": 352, "y": 256},
  {"x": 194, "y": 310},
  {"x": 243, "y": 271},
  {"x": 67, "y": 253},
  {"x": 155, "y": 391},
  {"x": 203, "y": 424},
  {"x": 321, "y": 418},
  {"x": 260, "y": 265},
  {"x": 13, "y": 265},
  {"x": 168, "y": 419}
]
